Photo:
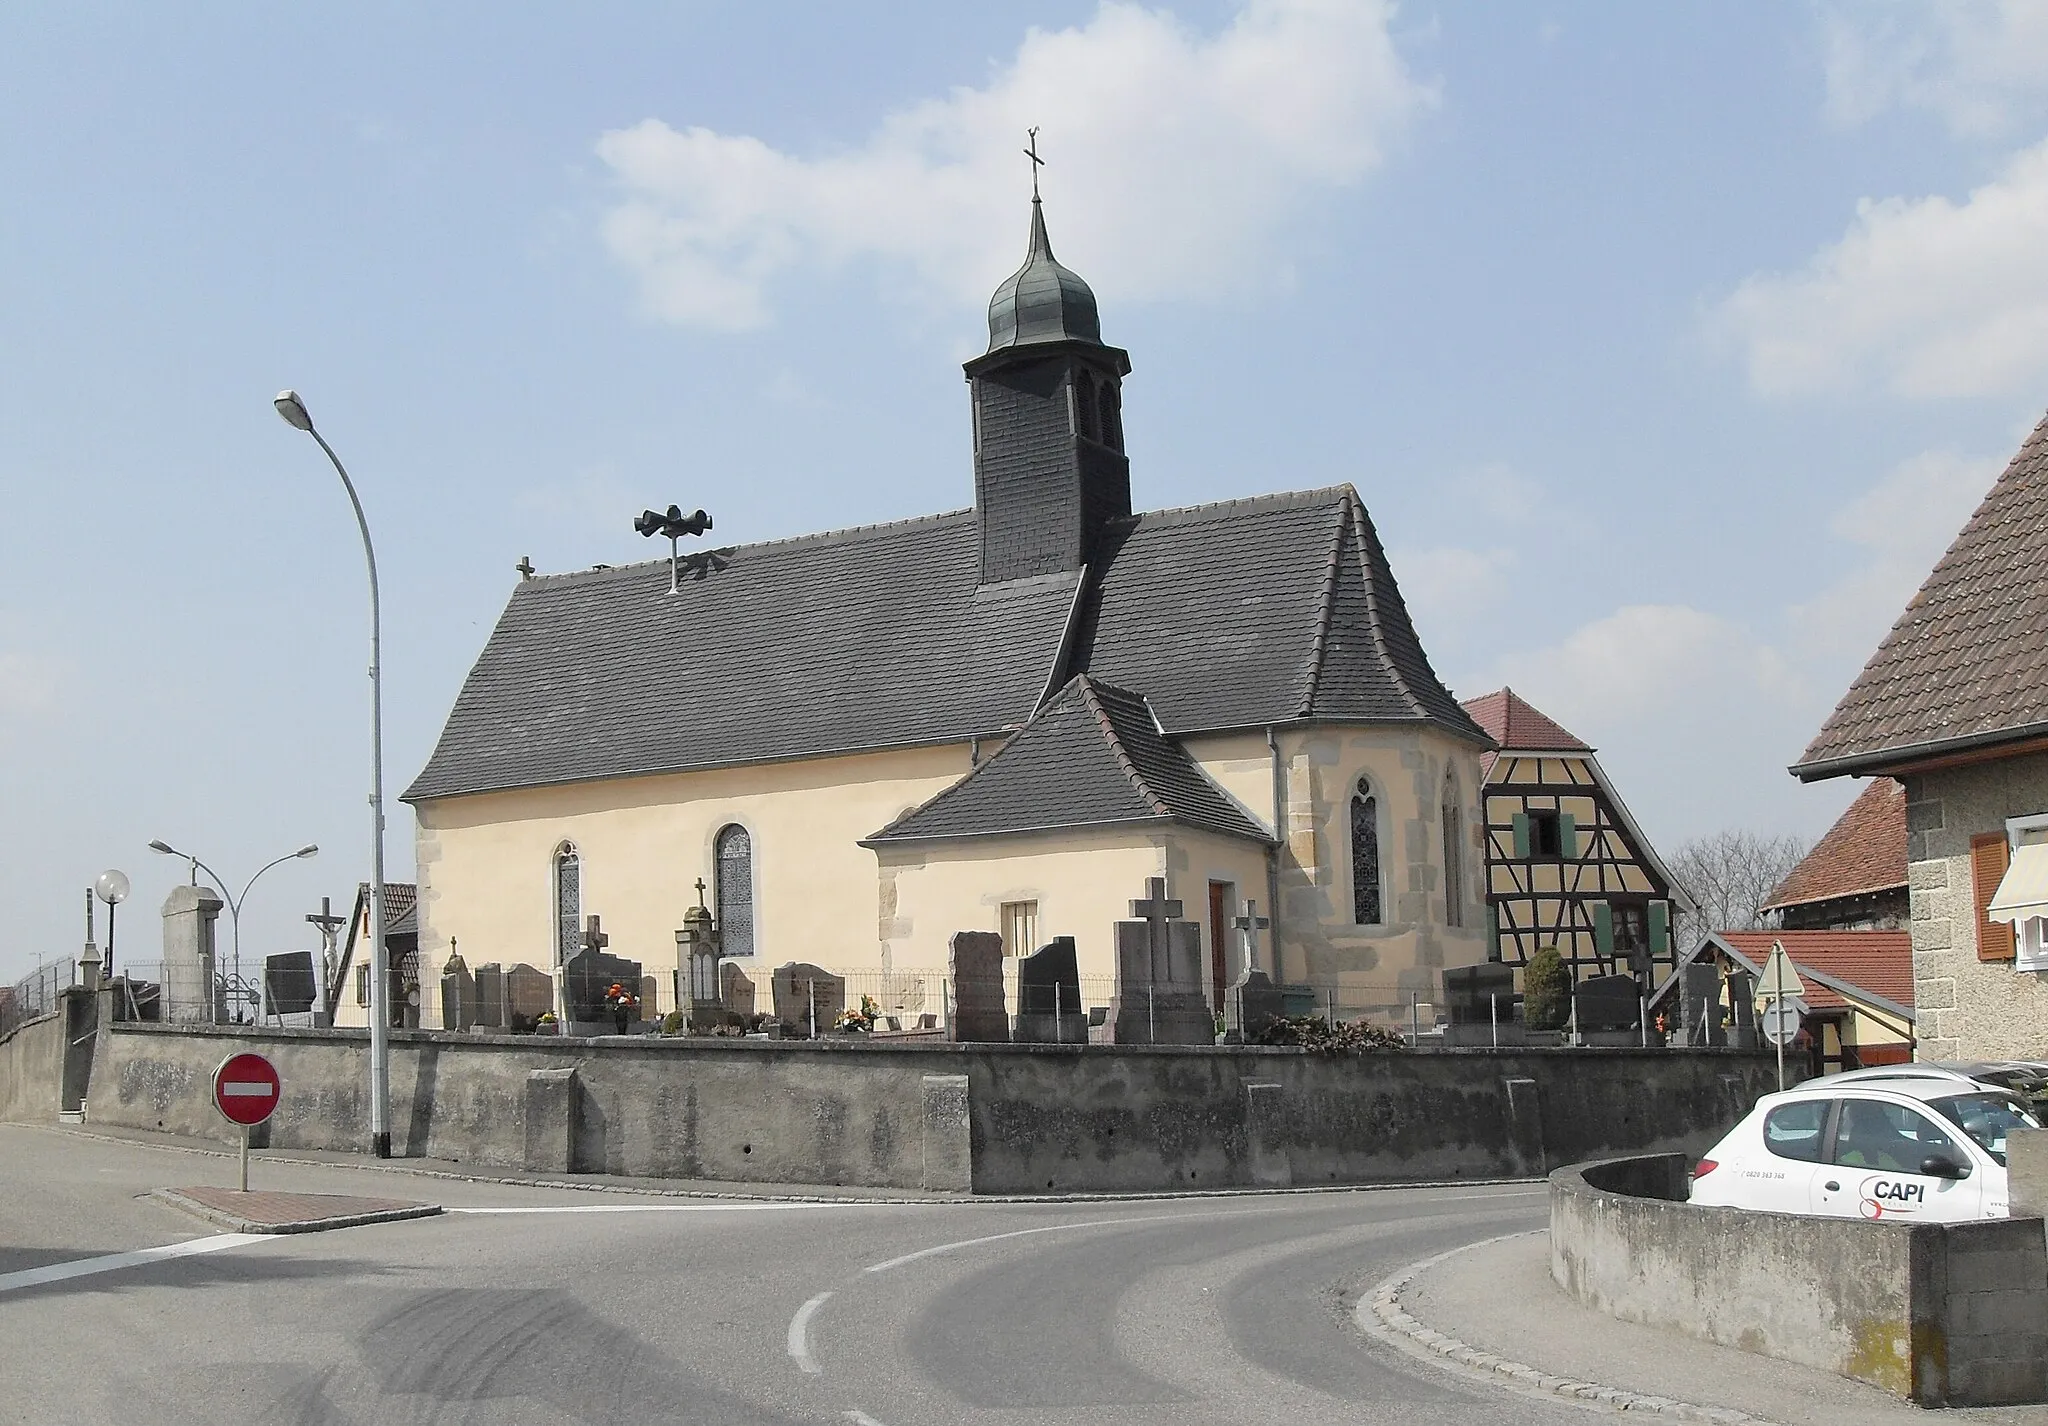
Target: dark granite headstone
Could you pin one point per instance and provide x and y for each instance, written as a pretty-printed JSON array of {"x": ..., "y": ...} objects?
[
  {"x": 1608, "y": 1002},
  {"x": 288, "y": 983},
  {"x": 490, "y": 997},
  {"x": 808, "y": 997},
  {"x": 1742, "y": 999},
  {"x": 1699, "y": 1005},
  {"x": 586, "y": 980},
  {"x": 1481, "y": 994},
  {"x": 1049, "y": 1009},
  {"x": 1159, "y": 985},
  {"x": 1250, "y": 1003},
  {"x": 529, "y": 993},
  {"x": 975, "y": 961}
]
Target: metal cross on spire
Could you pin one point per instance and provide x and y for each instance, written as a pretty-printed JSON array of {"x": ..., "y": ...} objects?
[{"x": 1031, "y": 152}]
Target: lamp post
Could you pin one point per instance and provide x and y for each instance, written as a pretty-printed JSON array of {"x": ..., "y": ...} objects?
[
  {"x": 234, "y": 902},
  {"x": 112, "y": 888},
  {"x": 294, "y": 412}
]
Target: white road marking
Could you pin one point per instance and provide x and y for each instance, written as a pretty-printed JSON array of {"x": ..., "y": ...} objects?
[
  {"x": 859, "y": 1417},
  {"x": 883, "y": 1267},
  {"x": 671, "y": 1207},
  {"x": 799, "y": 1327},
  {"x": 114, "y": 1262}
]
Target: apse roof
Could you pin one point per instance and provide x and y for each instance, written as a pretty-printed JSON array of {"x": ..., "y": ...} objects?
[{"x": 1093, "y": 756}]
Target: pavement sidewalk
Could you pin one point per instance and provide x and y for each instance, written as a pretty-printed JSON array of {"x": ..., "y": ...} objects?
[
  {"x": 1498, "y": 1299},
  {"x": 265, "y": 1211}
]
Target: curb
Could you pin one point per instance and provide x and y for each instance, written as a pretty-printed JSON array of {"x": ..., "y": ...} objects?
[
  {"x": 1392, "y": 1321},
  {"x": 731, "y": 1195},
  {"x": 303, "y": 1225}
]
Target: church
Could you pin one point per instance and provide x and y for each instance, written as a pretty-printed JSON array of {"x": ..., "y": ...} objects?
[{"x": 1005, "y": 718}]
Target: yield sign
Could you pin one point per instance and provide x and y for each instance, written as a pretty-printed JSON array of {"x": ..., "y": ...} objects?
[
  {"x": 246, "y": 1089},
  {"x": 1779, "y": 977}
]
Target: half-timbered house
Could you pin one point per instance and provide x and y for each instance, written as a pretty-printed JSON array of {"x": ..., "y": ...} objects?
[{"x": 1566, "y": 865}]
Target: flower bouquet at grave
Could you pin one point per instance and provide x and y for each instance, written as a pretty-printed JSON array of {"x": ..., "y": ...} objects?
[
  {"x": 858, "y": 1022},
  {"x": 623, "y": 1003},
  {"x": 545, "y": 1023}
]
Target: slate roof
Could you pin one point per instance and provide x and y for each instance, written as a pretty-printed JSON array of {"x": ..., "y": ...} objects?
[
  {"x": 1966, "y": 665},
  {"x": 1864, "y": 851},
  {"x": 1236, "y": 615},
  {"x": 1093, "y": 756},
  {"x": 1042, "y": 301}
]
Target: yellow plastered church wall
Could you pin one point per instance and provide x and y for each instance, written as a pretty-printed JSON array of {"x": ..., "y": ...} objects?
[
  {"x": 486, "y": 861},
  {"x": 1194, "y": 860},
  {"x": 1083, "y": 882}
]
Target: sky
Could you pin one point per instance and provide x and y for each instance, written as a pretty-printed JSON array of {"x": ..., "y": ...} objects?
[{"x": 1667, "y": 345}]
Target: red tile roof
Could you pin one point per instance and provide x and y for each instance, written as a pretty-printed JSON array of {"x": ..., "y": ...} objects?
[
  {"x": 1877, "y": 962},
  {"x": 1864, "y": 851},
  {"x": 1518, "y": 727},
  {"x": 1967, "y": 663}
]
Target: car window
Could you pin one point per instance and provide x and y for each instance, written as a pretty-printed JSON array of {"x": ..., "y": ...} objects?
[
  {"x": 1870, "y": 1134},
  {"x": 1985, "y": 1118},
  {"x": 1792, "y": 1131}
]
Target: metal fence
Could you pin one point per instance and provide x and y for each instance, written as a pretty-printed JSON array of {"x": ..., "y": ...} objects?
[
  {"x": 151, "y": 990},
  {"x": 35, "y": 994}
]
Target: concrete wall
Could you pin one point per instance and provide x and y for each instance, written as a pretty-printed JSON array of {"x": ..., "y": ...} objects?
[
  {"x": 32, "y": 1070},
  {"x": 486, "y": 861},
  {"x": 1967, "y": 1008},
  {"x": 1945, "y": 1314},
  {"x": 1035, "y": 1117}
]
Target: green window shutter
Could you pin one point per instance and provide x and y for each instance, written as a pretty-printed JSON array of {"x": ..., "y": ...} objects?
[
  {"x": 1521, "y": 834},
  {"x": 1492, "y": 932},
  {"x": 1603, "y": 928},
  {"x": 1660, "y": 928},
  {"x": 1567, "y": 836}
]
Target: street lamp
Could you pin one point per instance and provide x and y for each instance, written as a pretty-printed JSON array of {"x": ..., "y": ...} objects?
[
  {"x": 112, "y": 888},
  {"x": 234, "y": 902},
  {"x": 294, "y": 412}
]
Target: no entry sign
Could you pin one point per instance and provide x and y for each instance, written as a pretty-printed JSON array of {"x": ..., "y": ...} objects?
[{"x": 246, "y": 1089}]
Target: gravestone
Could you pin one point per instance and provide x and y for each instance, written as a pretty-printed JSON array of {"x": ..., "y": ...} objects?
[
  {"x": 1699, "y": 1005},
  {"x": 1159, "y": 999},
  {"x": 808, "y": 997},
  {"x": 1049, "y": 1007},
  {"x": 1607, "y": 1003},
  {"x": 490, "y": 997},
  {"x": 1742, "y": 999},
  {"x": 288, "y": 985},
  {"x": 1250, "y": 1003},
  {"x": 190, "y": 996},
  {"x": 460, "y": 1003},
  {"x": 1480, "y": 1003},
  {"x": 588, "y": 978},
  {"x": 529, "y": 994},
  {"x": 735, "y": 990},
  {"x": 975, "y": 963}
]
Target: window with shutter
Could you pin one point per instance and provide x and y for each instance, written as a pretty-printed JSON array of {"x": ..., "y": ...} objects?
[
  {"x": 1989, "y": 857},
  {"x": 1567, "y": 836},
  {"x": 1521, "y": 834},
  {"x": 1660, "y": 928},
  {"x": 1603, "y": 930}
]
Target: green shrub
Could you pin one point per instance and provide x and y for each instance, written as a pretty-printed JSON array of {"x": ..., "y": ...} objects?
[
  {"x": 1313, "y": 1032},
  {"x": 1546, "y": 991},
  {"x": 674, "y": 1023}
]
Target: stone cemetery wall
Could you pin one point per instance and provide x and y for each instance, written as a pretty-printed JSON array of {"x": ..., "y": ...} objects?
[
  {"x": 32, "y": 1068},
  {"x": 1027, "y": 1118}
]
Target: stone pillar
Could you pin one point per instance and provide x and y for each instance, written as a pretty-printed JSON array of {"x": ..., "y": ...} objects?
[{"x": 189, "y": 993}]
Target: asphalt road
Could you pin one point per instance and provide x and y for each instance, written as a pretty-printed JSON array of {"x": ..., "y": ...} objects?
[{"x": 526, "y": 1305}]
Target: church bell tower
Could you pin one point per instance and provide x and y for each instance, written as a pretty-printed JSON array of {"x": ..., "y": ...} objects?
[{"x": 1049, "y": 463}]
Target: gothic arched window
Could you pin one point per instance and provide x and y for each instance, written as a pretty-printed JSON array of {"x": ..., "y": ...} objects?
[
  {"x": 568, "y": 902},
  {"x": 1112, "y": 417},
  {"x": 1454, "y": 854},
  {"x": 735, "y": 854},
  {"x": 1365, "y": 856},
  {"x": 1084, "y": 406}
]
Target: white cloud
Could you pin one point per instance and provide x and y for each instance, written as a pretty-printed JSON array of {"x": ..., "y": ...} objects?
[
  {"x": 1175, "y": 159},
  {"x": 28, "y": 685},
  {"x": 1980, "y": 65},
  {"x": 1450, "y": 585},
  {"x": 1923, "y": 297}
]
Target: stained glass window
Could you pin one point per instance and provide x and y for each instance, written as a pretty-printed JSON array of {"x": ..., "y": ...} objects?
[
  {"x": 735, "y": 851},
  {"x": 1365, "y": 856}
]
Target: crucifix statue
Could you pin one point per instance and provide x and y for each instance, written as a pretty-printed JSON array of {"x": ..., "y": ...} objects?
[
  {"x": 1156, "y": 910},
  {"x": 1036, "y": 162},
  {"x": 1248, "y": 927}
]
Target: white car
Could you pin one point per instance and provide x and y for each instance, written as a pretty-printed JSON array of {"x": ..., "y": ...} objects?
[{"x": 1904, "y": 1149}]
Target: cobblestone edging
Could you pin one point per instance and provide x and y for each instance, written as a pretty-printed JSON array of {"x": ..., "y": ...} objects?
[{"x": 1383, "y": 1302}]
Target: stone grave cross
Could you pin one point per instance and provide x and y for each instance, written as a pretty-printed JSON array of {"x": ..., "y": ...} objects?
[
  {"x": 1248, "y": 927},
  {"x": 594, "y": 939},
  {"x": 1156, "y": 910}
]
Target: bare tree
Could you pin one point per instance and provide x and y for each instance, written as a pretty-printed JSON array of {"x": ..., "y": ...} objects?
[{"x": 1731, "y": 875}]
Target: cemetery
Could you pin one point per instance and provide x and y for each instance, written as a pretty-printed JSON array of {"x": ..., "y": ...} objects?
[{"x": 1011, "y": 1083}]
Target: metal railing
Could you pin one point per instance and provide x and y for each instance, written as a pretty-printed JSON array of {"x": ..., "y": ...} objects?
[{"x": 35, "y": 994}]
